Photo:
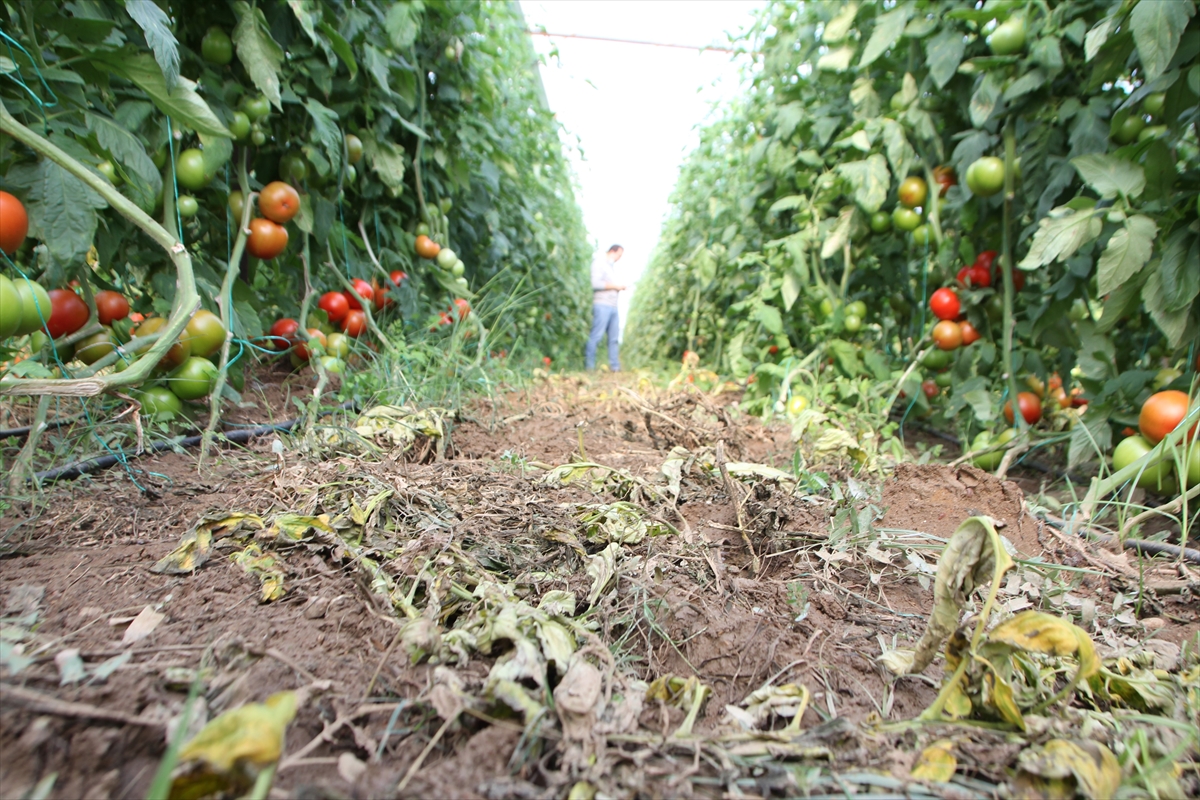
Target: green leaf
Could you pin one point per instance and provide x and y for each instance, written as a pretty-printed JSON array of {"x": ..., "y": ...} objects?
[
  {"x": 1097, "y": 36},
  {"x": 1157, "y": 27},
  {"x": 943, "y": 54},
  {"x": 1180, "y": 270},
  {"x": 787, "y": 118},
  {"x": 1110, "y": 175},
  {"x": 769, "y": 317},
  {"x": 900, "y": 153},
  {"x": 1171, "y": 323},
  {"x": 836, "y": 60},
  {"x": 181, "y": 103},
  {"x": 846, "y": 357},
  {"x": 62, "y": 208},
  {"x": 886, "y": 33},
  {"x": 790, "y": 289},
  {"x": 387, "y": 159},
  {"x": 259, "y": 53},
  {"x": 325, "y": 129},
  {"x": 797, "y": 248},
  {"x": 870, "y": 179},
  {"x": 155, "y": 25},
  {"x": 1047, "y": 52},
  {"x": 985, "y": 98},
  {"x": 402, "y": 24},
  {"x": 1123, "y": 301},
  {"x": 1090, "y": 439},
  {"x": 1059, "y": 235},
  {"x": 788, "y": 203},
  {"x": 341, "y": 47},
  {"x": 973, "y": 392},
  {"x": 837, "y": 28},
  {"x": 839, "y": 234},
  {"x": 1128, "y": 251},
  {"x": 217, "y": 152},
  {"x": 376, "y": 64},
  {"x": 126, "y": 148},
  {"x": 1029, "y": 82}
]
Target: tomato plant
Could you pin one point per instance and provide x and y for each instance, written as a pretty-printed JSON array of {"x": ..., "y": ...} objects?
[
  {"x": 283, "y": 333},
  {"x": 1031, "y": 408}
]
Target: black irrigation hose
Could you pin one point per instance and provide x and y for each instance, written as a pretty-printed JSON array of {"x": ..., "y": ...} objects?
[
  {"x": 8, "y": 433},
  {"x": 78, "y": 468}
]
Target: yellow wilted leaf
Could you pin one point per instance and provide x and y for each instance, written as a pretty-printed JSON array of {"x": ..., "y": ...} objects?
[
  {"x": 266, "y": 567},
  {"x": 936, "y": 762},
  {"x": 1038, "y": 632},
  {"x": 294, "y": 527},
  {"x": 958, "y": 705},
  {"x": 252, "y": 733},
  {"x": 999, "y": 695},
  {"x": 1095, "y": 769},
  {"x": 196, "y": 545}
]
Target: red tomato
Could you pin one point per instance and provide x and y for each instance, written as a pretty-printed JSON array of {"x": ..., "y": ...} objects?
[
  {"x": 382, "y": 300},
  {"x": 1161, "y": 413},
  {"x": 462, "y": 307},
  {"x": 773, "y": 349},
  {"x": 980, "y": 276},
  {"x": 278, "y": 202},
  {"x": 335, "y": 306},
  {"x": 930, "y": 388},
  {"x": 426, "y": 247},
  {"x": 111, "y": 306},
  {"x": 137, "y": 316},
  {"x": 969, "y": 333},
  {"x": 398, "y": 276},
  {"x": 1031, "y": 408},
  {"x": 283, "y": 333},
  {"x": 945, "y": 305},
  {"x": 14, "y": 223},
  {"x": 354, "y": 324},
  {"x": 945, "y": 178},
  {"x": 986, "y": 259},
  {"x": 362, "y": 290},
  {"x": 67, "y": 313},
  {"x": 267, "y": 239},
  {"x": 947, "y": 334},
  {"x": 301, "y": 348}
]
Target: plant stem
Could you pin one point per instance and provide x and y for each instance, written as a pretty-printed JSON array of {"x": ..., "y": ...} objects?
[
  {"x": 24, "y": 463},
  {"x": 1006, "y": 267},
  {"x": 186, "y": 298}
]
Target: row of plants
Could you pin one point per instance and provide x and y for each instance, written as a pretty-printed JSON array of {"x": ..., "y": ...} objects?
[
  {"x": 399, "y": 156},
  {"x": 934, "y": 206}
]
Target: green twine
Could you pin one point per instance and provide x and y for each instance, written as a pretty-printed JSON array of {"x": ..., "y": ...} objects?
[{"x": 16, "y": 77}]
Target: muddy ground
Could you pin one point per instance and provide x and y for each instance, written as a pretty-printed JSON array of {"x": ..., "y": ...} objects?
[{"x": 387, "y": 617}]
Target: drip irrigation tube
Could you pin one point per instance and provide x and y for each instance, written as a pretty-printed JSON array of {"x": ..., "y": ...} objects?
[
  {"x": 8, "y": 433},
  {"x": 87, "y": 465}
]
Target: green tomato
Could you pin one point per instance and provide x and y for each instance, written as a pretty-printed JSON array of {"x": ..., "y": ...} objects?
[
  {"x": 237, "y": 204},
  {"x": 188, "y": 207},
  {"x": 1155, "y": 476},
  {"x": 1009, "y": 37},
  {"x": 95, "y": 347},
  {"x": 35, "y": 306},
  {"x": 258, "y": 138},
  {"x": 881, "y": 222},
  {"x": 10, "y": 308},
  {"x": 985, "y": 176},
  {"x": 351, "y": 173},
  {"x": 239, "y": 126},
  {"x": 1153, "y": 103},
  {"x": 160, "y": 157},
  {"x": 194, "y": 379},
  {"x": 826, "y": 307},
  {"x": 1128, "y": 130},
  {"x": 921, "y": 235},
  {"x": 256, "y": 107},
  {"x": 333, "y": 365},
  {"x": 1152, "y": 132},
  {"x": 354, "y": 148},
  {"x": 109, "y": 170},
  {"x": 422, "y": 229},
  {"x": 1192, "y": 462},
  {"x": 190, "y": 170},
  {"x": 64, "y": 352},
  {"x": 458, "y": 269},
  {"x": 446, "y": 204},
  {"x": 337, "y": 345},
  {"x": 858, "y": 309},
  {"x": 446, "y": 258},
  {"x": 937, "y": 359},
  {"x": 462, "y": 284},
  {"x": 852, "y": 323},
  {"x": 906, "y": 219},
  {"x": 216, "y": 47},
  {"x": 293, "y": 168},
  {"x": 989, "y": 461},
  {"x": 159, "y": 402}
]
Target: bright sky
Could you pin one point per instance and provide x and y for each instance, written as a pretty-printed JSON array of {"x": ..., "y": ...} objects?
[{"x": 634, "y": 108}]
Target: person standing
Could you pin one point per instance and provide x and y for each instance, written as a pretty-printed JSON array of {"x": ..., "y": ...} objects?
[{"x": 605, "y": 317}]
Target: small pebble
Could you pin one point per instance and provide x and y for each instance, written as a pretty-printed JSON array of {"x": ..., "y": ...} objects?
[{"x": 1154, "y": 623}]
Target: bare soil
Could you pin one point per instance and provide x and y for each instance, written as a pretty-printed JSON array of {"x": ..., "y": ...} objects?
[{"x": 753, "y": 582}]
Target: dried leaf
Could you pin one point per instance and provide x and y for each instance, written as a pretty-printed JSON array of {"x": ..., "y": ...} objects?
[
  {"x": 936, "y": 762},
  {"x": 252, "y": 734},
  {"x": 1095, "y": 769},
  {"x": 1038, "y": 632},
  {"x": 142, "y": 626}
]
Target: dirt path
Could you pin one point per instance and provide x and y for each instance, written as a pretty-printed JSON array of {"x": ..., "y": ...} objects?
[{"x": 439, "y": 607}]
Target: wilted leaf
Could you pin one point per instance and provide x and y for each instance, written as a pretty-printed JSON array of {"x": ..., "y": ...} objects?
[
  {"x": 1095, "y": 769},
  {"x": 936, "y": 762},
  {"x": 887, "y": 30},
  {"x": 266, "y": 567},
  {"x": 142, "y": 626},
  {"x": 252, "y": 734},
  {"x": 602, "y": 569},
  {"x": 1039, "y": 632}
]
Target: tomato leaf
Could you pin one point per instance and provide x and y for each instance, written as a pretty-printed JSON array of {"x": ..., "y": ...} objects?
[
  {"x": 837, "y": 28},
  {"x": 387, "y": 159},
  {"x": 943, "y": 54},
  {"x": 985, "y": 99},
  {"x": 1091, "y": 438},
  {"x": 341, "y": 47},
  {"x": 259, "y": 53},
  {"x": 403, "y": 23},
  {"x": 769, "y": 317},
  {"x": 900, "y": 153},
  {"x": 1171, "y": 323},
  {"x": 180, "y": 102},
  {"x": 1029, "y": 82},
  {"x": 325, "y": 130},
  {"x": 126, "y": 148},
  {"x": 155, "y": 24},
  {"x": 836, "y": 60},
  {"x": 787, "y": 118},
  {"x": 1110, "y": 175},
  {"x": 62, "y": 208},
  {"x": 870, "y": 179},
  {"x": 217, "y": 152},
  {"x": 1180, "y": 276},
  {"x": 1157, "y": 28},
  {"x": 886, "y": 33},
  {"x": 1059, "y": 235},
  {"x": 1128, "y": 251},
  {"x": 1097, "y": 36},
  {"x": 839, "y": 234}
]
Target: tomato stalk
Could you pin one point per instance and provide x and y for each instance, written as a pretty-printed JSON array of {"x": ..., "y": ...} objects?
[
  {"x": 314, "y": 360},
  {"x": 935, "y": 222},
  {"x": 847, "y": 268},
  {"x": 225, "y": 304},
  {"x": 1006, "y": 267},
  {"x": 366, "y": 306},
  {"x": 186, "y": 299}
]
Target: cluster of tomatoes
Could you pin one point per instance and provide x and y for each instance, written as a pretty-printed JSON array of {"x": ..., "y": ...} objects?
[{"x": 1160, "y": 414}]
